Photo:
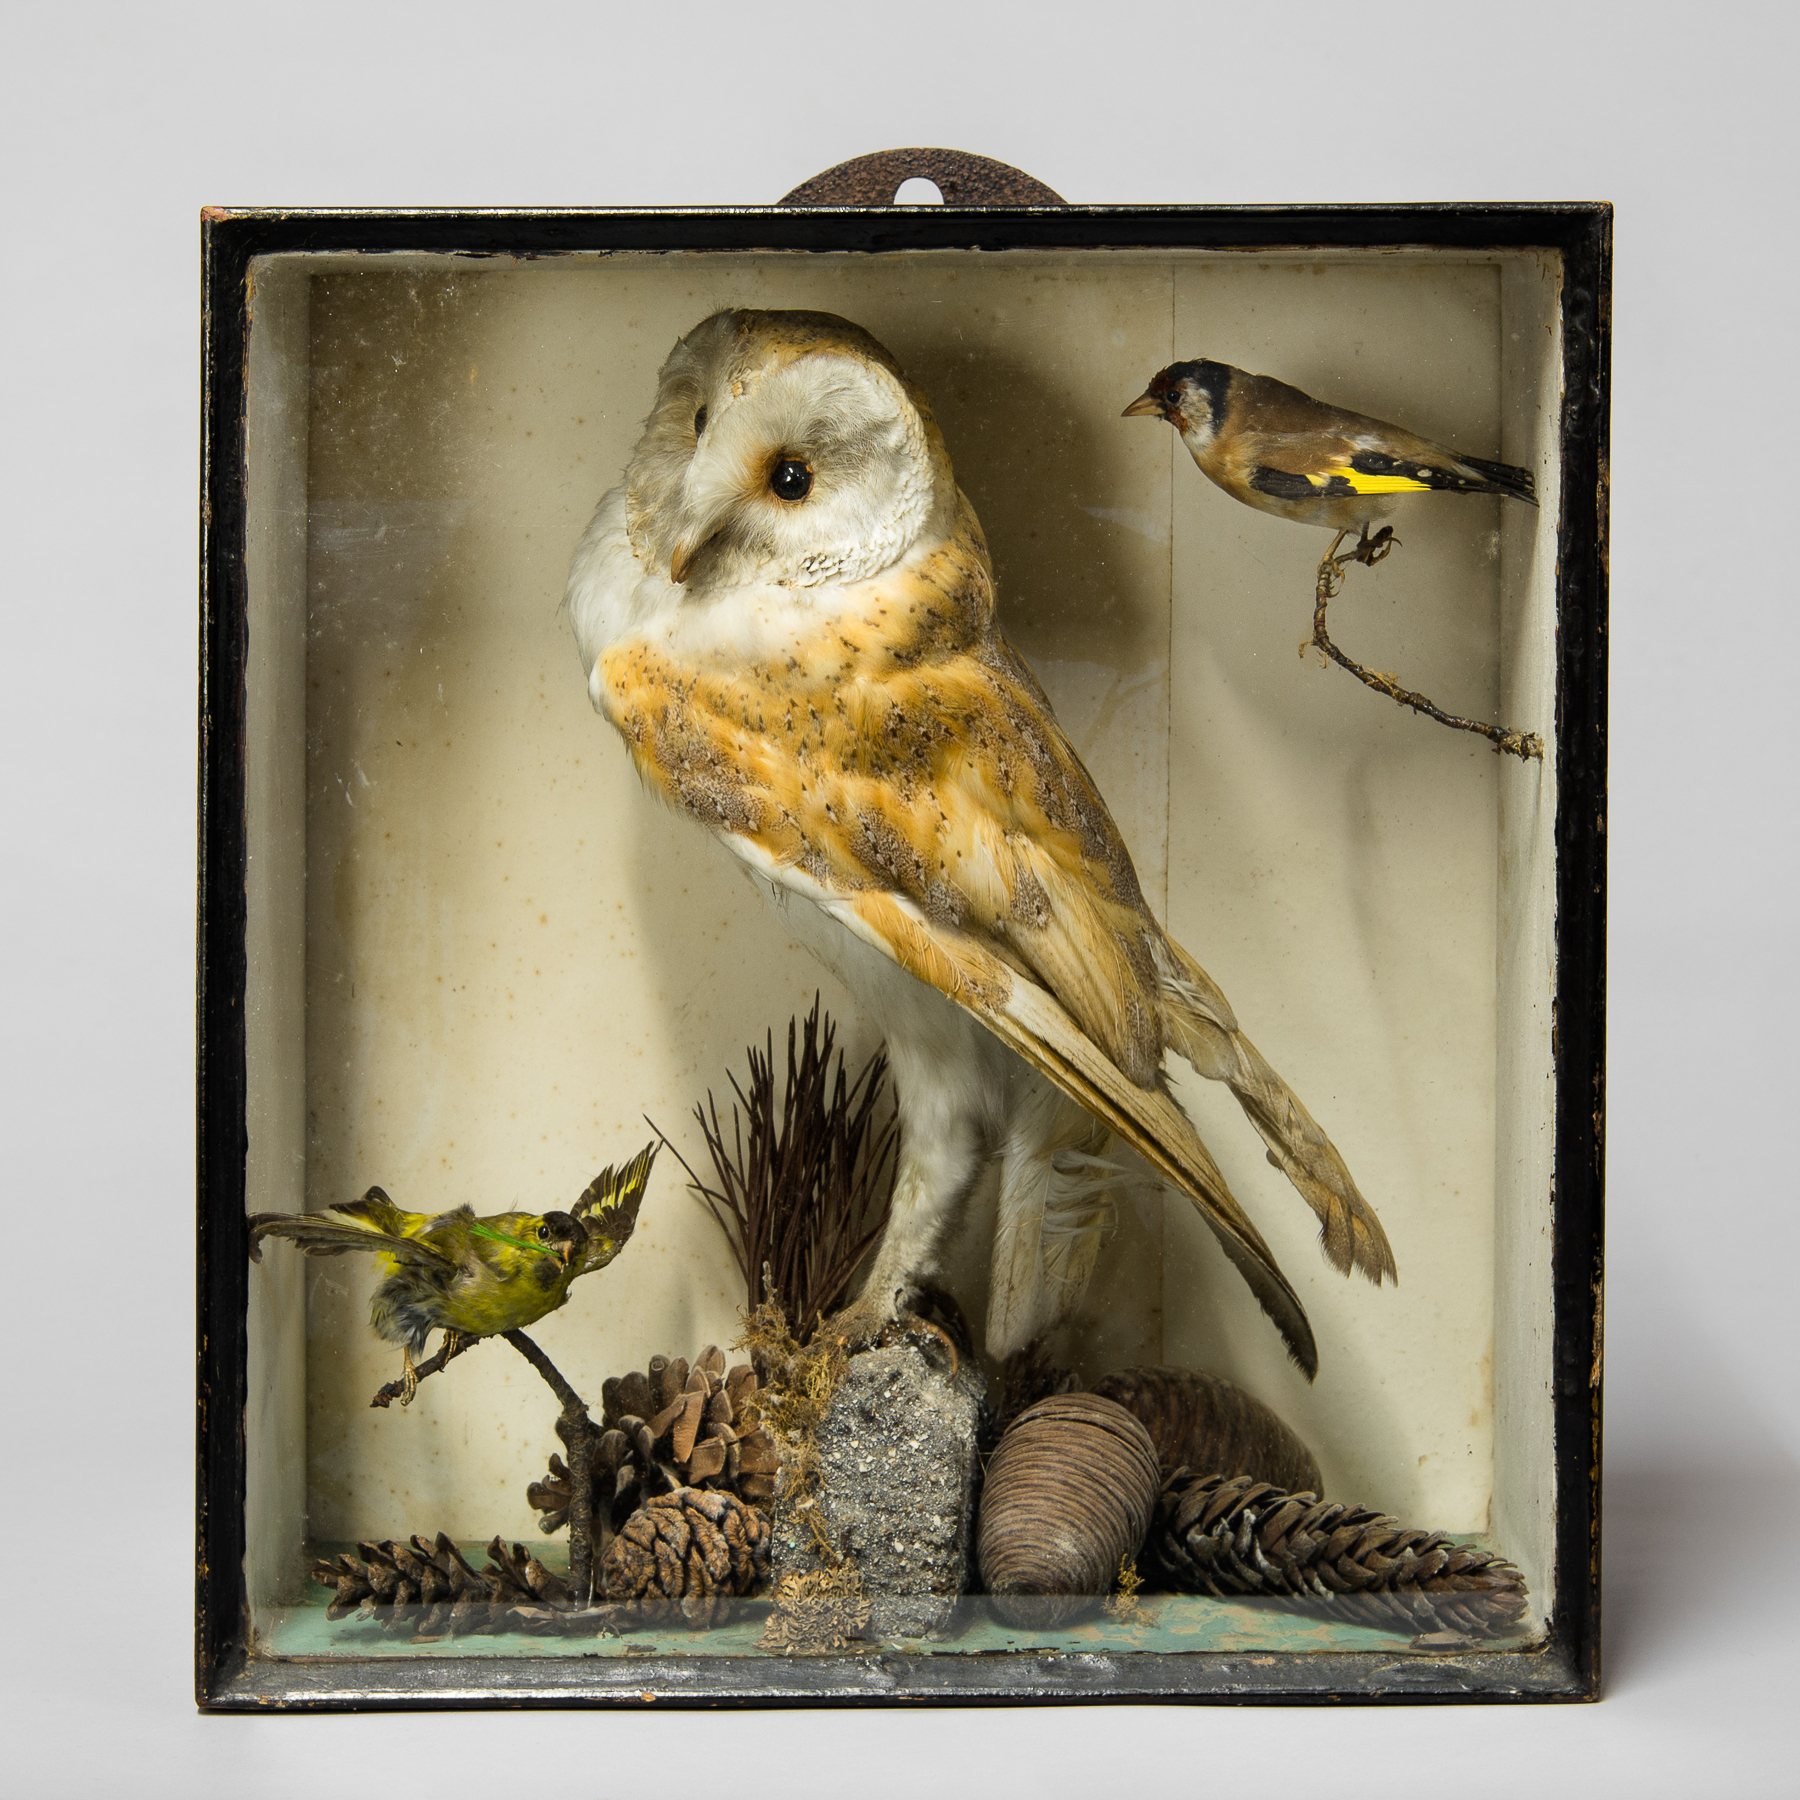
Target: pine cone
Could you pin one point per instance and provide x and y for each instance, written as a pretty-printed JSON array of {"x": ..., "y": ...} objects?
[
  {"x": 428, "y": 1590},
  {"x": 674, "y": 1426},
  {"x": 1070, "y": 1491},
  {"x": 1231, "y": 1536},
  {"x": 1211, "y": 1426},
  {"x": 692, "y": 1547}
]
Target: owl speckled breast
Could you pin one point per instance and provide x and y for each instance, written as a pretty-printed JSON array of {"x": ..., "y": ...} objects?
[{"x": 851, "y": 755}]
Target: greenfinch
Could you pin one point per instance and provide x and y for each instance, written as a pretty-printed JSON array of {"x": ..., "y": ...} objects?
[{"x": 470, "y": 1277}]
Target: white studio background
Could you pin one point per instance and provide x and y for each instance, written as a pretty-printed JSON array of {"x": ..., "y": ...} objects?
[{"x": 120, "y": 122}]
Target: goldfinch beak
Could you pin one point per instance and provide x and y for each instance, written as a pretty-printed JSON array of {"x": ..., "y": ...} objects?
[{"x": 1145, "y": 406}]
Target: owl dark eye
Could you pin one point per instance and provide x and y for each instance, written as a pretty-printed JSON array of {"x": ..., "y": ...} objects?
[
  {"x": 699, "y": 421},
  {"x": 790, "y": 480},
  {"x": 543, "y": 1234}
]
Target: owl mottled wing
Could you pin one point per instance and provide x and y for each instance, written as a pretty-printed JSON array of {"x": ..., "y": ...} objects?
[
  {"x": 1200, "y": 1028},
  {"x": 903, "y": 769},
  {"x": 1030, "y": 1021},
  {"x": 1075, "y": 915},
  {"x": 1078, "y": 924},
  {"x": 609, "y": 1208}
]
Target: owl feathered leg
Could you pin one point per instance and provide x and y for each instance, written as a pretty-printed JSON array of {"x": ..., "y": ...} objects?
[
  {"x": 941, "y": 1147},
  {"x": 948, "y": 1072},
  {"x": 1055, "y": 1203}
]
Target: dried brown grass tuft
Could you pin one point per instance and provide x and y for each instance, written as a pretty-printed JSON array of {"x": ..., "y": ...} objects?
[{"x": 801, "y": 1185}]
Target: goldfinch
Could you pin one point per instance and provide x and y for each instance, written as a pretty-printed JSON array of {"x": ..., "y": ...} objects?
[
  {"x": 470, "y": 1277},
  {"x": 786, "y": 609},
  {"x": 1283, "y": 452}
]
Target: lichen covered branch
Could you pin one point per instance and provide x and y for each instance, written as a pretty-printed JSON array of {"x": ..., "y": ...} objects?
[{"x": 1523, "y": 744}]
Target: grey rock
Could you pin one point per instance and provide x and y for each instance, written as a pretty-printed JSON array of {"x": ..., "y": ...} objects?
[{"x": 898, "y": 1472}]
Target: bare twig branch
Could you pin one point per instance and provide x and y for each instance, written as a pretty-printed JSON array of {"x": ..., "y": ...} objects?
[
  {"x": 579, "y": 1434},
  {"x": 575, "y": 1429},
  {"x": 571, "y": 1401},
  {"x": 1523, "y": 744}
]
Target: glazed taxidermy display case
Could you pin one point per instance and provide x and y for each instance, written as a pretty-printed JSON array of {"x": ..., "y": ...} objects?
[{"x": 464, "y": 942}]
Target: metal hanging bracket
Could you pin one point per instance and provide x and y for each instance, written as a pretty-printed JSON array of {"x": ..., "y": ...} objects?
[{"x": 962, "y": 179}]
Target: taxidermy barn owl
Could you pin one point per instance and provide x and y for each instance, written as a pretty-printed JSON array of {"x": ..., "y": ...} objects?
[{"x": 787, "y": 610}]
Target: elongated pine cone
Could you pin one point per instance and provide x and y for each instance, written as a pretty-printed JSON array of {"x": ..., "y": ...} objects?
[
  {"x": 429, "y": 1590},
  {"x": 1210, "y": 1426},
  {"x": 671, "y": 1426},
  {"x": 1232, "y": 1536},
  {"x": 693, "y": 1547},
  {"x": 1069, "y": 1493}
]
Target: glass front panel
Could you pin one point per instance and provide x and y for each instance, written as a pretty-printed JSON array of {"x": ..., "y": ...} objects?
[{"x": 487, "y": 963}]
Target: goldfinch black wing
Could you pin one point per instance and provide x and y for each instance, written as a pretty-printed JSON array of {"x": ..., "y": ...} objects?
[
  {"x": 1368, "y": 470},
  {"x": 609, "y": 1208},
  {"x": 1340, "y": 468},
  {"x": 1289, "y": 484},
  {"x": 377, "y": 1229},
  {"x": 1295, "y": 448}
]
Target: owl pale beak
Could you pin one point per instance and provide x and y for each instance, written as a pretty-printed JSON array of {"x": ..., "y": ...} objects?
[
  {"x": 1145, "y": 406},
  {"x": 707, "y": 512},
  {"x": 687, "y": 553},
  {"x": 681, "y": 564}
]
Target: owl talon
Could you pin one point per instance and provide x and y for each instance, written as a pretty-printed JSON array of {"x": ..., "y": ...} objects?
[
  {"x": 911, "y": 1326},
  {"x": 859, "y": 1326}
]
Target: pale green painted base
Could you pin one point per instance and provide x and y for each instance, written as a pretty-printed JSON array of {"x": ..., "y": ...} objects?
[{"x": 1165, "y": 1624}]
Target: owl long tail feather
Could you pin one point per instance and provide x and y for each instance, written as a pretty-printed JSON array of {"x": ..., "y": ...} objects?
[
  {"x": 1349, "y": 1232},
  {"x": 1032, "y": 1021},
  {"x": 1155, "y": 1126}
]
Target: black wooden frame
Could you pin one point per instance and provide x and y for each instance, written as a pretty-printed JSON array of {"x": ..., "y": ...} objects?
[{"x": 1567, "y": 1666}]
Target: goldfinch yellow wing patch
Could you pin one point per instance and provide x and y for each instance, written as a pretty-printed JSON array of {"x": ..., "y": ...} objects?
[{"x": 1360, "y": 482}]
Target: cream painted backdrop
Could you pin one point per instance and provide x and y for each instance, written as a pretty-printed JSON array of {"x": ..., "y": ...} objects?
[{"x": 512, "y": 955}]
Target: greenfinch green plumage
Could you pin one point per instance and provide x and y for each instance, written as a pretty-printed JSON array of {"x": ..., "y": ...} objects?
[{"x": 470, "y": 1277}]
